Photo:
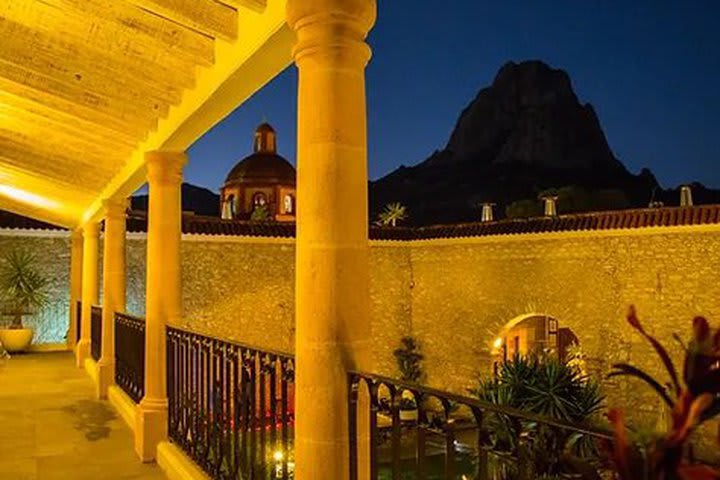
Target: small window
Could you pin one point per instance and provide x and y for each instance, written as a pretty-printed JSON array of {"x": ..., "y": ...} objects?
[
  {"x": 259, "y": 199},
  {"x": 288, "y": 204}
]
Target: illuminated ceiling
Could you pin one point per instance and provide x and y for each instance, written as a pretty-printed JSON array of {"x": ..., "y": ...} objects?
[{"x": 88, "y": 86}]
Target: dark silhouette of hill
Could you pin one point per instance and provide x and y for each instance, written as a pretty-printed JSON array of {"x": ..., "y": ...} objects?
[
  {"x": 194, "y": 199},
  {"x": 523, "y": 135}
]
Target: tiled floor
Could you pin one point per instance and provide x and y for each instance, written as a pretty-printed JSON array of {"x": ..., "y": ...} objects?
[{"x": 52, "y": 428}]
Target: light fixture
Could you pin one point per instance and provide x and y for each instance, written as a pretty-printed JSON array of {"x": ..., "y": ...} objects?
[{"x": 497, "y": 343}]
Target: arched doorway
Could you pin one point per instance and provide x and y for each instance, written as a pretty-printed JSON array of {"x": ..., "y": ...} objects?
[{"x": 533, "y": 333}]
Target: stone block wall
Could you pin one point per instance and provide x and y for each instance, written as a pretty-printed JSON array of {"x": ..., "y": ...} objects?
[{"x": 453, "y": 295}]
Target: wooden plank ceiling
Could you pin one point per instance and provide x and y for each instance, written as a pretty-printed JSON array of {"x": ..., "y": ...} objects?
[{"x": 84, "y": 82}]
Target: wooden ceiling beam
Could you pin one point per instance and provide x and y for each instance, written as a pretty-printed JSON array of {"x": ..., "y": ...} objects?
[
  {"x": 73, "y": 65},
  {"x": 140, "y": 28},
  {"x": 125, "y": 110},
  {"x": 28, "y": 111},
  {"x": 209, "y": 17},
  {"x": 59, "y": 164},
  {"x": 256, "y": 5},
  {"x": 101, "y": 43},
  {"x": 20, "y": 126},
  {"x": 68, "y": 107},
  {"x": 63, "y": 151},
  {"x": 53, "y": 188},
  {"x": 65, "y": 217}
]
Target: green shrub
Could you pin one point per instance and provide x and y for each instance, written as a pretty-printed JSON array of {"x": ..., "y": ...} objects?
[{"x": 542, "y": 385}]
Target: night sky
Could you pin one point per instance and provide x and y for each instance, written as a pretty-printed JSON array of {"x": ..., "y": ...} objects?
[{"x": 650, "y": 68}]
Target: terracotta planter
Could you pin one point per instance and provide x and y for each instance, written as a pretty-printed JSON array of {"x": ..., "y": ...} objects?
[{"x": 16, "y": 340}]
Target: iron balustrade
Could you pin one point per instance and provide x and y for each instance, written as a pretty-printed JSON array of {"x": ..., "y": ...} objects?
[
  {"x": 231, "y": 406},
  {"x": 130, "y": 355},
  {"x": 423, "y": 433},
  {"x": 96, "y": 332},
  {"x": 78, "y": 321}
]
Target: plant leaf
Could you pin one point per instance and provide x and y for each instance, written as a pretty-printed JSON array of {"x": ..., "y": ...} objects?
[
  {"x": 662, "y": 353},
  {"x": 697, "y": 472},
  {"x": 626, "y": 369}
]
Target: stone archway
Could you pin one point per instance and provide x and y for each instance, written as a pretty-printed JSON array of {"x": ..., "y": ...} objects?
[{"x": 533, "y": 332}]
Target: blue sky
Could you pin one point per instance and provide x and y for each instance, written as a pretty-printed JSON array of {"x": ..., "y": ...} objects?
[{"x": 651, "y": 69}]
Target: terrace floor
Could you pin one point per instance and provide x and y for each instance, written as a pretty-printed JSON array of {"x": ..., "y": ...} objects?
[{"x": 51, "y": 426}]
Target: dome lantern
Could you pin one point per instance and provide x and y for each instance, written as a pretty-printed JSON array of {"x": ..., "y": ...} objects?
[{"x": 265, "y": 139}]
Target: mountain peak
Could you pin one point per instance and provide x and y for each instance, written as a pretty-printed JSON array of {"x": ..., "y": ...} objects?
[
  {"x": 530, "y": 115},
  {"x": 524, "y": 133}
]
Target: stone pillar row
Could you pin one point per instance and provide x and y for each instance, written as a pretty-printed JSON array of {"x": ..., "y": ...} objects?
[
  {"x": 163, "y": 295},
  {"x": 332, "y": 276}
]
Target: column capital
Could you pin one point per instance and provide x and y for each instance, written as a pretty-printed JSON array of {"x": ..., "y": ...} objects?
[
  {"x": 331, "y": 24},
  {"x": 76, "y": 234},
  {"x": 91, "y": 229},
  {"x": 165, "y": 167},
  {"x": 115, "y": 208}
]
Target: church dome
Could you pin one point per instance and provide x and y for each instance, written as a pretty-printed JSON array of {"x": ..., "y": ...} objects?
[{"x": 264, "y": 165}]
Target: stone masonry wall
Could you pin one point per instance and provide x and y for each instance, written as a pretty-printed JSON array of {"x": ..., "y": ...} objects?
[{"x": 453, "y": 295}]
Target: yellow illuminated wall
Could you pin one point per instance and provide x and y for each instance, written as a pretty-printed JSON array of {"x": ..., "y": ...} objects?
[{"x": 456, "y": 295}]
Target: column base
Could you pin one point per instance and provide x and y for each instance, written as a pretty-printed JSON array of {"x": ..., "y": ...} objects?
[
  {"x": 82, "y": 351},
  {"x": 151, "y": 427},
  {"x": 106, "y": 378}
]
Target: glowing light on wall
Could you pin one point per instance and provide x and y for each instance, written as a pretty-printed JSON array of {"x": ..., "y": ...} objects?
[{"x": 27, "y": 197}]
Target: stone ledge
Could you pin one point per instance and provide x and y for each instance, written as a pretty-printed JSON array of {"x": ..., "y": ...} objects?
[
  {"x": 50, "y": 347},
  {"x": 123, "y": 404},
  {"x": 176, "y": 465}
]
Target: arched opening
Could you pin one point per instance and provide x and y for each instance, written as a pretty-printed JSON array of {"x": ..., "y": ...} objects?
[
  {"x": 259, "y": 200},
  {"x": 533, "y": 333}
]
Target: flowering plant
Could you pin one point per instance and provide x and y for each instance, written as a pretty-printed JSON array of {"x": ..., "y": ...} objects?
[{"x": 692, "y": 399}]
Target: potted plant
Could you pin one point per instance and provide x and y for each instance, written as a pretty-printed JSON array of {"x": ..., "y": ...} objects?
[
  {"x": 408, "y": 358},
  {"x": 23, "y": 291},
  {"x": 408, "y": 407}
]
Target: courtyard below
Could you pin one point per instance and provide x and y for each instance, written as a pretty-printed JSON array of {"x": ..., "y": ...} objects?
[{"x": 52, "y": 427}]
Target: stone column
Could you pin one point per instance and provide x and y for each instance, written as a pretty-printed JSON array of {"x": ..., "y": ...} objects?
[
  {"x": 331, "y": 289},
  {"x": 89, "y": 288},
  {"x": 76, "y": 269},
  {"x": 163, "y": 294},
  {"x": 113, "y": 288}
]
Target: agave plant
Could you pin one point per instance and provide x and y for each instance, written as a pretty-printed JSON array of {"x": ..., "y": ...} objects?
[
  {"x": 542, "y": 385},
  {"x": 693, "y": 399},
  {"x": 393, "y": 213},
  {"x": 23, "y": 288}
]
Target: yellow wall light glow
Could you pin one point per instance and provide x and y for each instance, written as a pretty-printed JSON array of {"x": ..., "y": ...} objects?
[{"x": 27, "y": 197}]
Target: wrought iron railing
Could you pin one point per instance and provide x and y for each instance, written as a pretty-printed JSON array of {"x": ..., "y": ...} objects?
[
  {"x": 130, "y": 355},
  {"x": 231, "y": 406},
  {"x": 431, "y": 434},
  {"x": 96, "y": 332},
  {"x": 78, "y": 321}
]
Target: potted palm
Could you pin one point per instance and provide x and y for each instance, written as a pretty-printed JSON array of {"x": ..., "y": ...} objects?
[{"x": 23, "y": 291}]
